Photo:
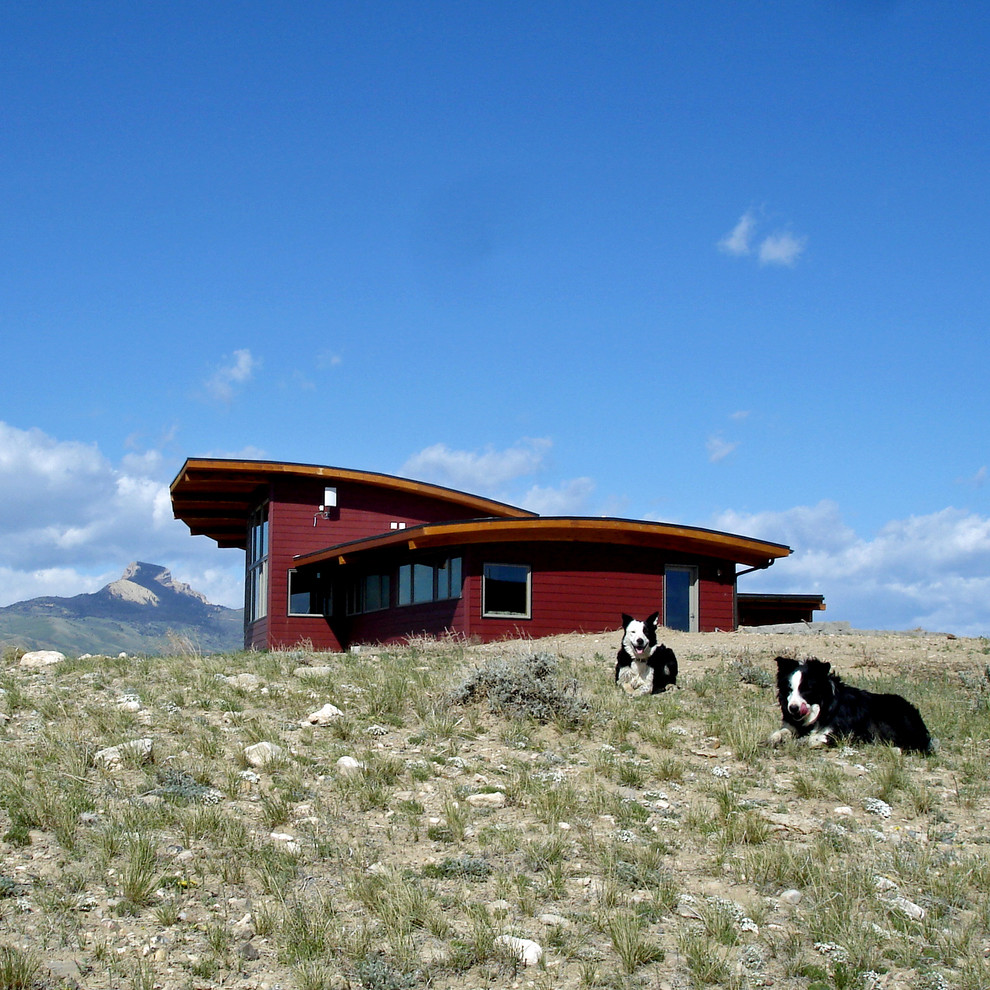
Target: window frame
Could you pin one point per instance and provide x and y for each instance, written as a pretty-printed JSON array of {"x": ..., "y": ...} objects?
[
  {"x": 357, "y": 593},
  {"x": 486, "y": 613},
  {"x": 327, "y": 599},
  {"x": 256, "y": 566},
  {"x": 452, "y": 569}
]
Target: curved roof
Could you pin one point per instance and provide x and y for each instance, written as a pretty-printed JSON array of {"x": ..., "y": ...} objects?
[
  {"x": 214, "y": 496},
  {"x": 574, "y": 529}
]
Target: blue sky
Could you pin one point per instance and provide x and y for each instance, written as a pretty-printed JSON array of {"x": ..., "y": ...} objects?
[{"x": 720, "y": 264}]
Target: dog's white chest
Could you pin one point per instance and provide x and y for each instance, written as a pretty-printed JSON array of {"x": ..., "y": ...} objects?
[{"x": 637, "y": 678}]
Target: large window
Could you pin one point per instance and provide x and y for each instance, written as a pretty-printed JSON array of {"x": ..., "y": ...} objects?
[
  {"x": 256, "y": 560},
  {"x": 369, "y": 593},
  {"x": 309, "y": 594},
  {"x": 505, "y": 590},
  {"x": 438, "y": 581}
]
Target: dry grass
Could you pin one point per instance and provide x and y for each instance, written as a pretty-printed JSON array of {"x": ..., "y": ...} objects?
[{"x": 506, "y": 789}]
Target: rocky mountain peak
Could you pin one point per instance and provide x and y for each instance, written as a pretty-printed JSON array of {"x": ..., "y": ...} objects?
[{"x": 144, "y": 584}]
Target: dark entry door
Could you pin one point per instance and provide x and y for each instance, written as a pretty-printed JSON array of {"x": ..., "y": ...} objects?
[{"x": 680, "y": 598}]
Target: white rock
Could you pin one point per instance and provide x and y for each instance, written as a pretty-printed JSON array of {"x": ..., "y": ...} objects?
[
  {"x": 529, "y": 953},
  {"x": 262, "y": 753},
  {"x": 911, "y": 909},
  {"x": 288, "y": 841},
  {"x": 244, "y": 682},
  {"x": 347, "y": 764},
  {"x": 312, "y": 672},
  {"x": 843, "y": 809},
  {"x": 791, "y": 896},
  {"x": 41, "y": 658},
  {"x": 112, "y": 757},
  {"x": 493, "y": 800},
  {"x": 324, "y": 716}
]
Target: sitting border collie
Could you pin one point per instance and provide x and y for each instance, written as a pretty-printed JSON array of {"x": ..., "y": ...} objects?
[
  {"x": 643, "y": 667},
  {"x": 816, "y": 704}
]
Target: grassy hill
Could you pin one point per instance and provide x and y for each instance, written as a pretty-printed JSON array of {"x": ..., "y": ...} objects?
[{"x": 458, "y": 797}]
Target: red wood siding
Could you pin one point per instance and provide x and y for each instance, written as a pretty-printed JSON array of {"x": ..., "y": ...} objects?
[
  {"x": 716, "y": 597},
  {"x": 576, "y": 587},
  {"x": 361, "y": 510}
]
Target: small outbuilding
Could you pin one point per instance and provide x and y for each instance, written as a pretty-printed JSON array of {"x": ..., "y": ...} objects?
[{"x": 339, "y": 557}]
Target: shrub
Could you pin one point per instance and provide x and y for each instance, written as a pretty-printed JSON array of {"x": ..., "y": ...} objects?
[{"x": 529, "y": 686}]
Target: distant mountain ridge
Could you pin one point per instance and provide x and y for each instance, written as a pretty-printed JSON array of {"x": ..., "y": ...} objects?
[{"x": 144, "y": 611}]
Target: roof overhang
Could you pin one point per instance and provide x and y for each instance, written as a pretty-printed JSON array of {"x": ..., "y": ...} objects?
[
  {"x": 215, "y": 496},
  {"x": 688, "y": 540}
]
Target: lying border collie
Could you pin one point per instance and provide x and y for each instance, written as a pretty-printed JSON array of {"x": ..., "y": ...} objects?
[
  {"x": 643, "y": 667},
  {"x": 816, "y": 704}
]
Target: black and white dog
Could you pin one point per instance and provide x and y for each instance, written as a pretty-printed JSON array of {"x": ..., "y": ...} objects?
[
  {"x": 642, "y": 666},
  {"x": 816, "y": 704}
]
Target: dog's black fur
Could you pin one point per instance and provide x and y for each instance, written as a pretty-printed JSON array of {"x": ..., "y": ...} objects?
[
  {"x": 819, "y": 706},
  {"x": 639, "y": 646}
]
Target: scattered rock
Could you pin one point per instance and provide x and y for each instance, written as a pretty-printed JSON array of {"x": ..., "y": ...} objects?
[
  {"x": 244, "y": 682},
  {"x": 909, "y": 908},
  {"x": 39, "y": 659},
  {"x": 324, "y": 716},
  {"x": 529, "y": 953},
  {"x": 263, "y": 753},
  {"x": 496, "y": 799},
  {"x": 248, "y": 951},
  {"x": 112, "y": 758},
  {"x": 347, "y": 764}
]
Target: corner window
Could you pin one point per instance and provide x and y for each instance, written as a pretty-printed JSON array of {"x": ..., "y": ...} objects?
[
  {"x": 506, "y": 590},
  {"x": 308, "y": 595},
  {"x": 256, "y": 563}
]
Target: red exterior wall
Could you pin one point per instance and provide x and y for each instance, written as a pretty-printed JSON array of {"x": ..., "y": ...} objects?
[
  {"x": 576, "y": 587},
  {"x": 716, "y": 596},
  {"x": 361, "y": 510}
]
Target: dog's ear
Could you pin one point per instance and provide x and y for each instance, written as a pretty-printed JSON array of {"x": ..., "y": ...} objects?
[
  {"x": 626, "y": 619},
  {"x": 653, "y": 620},
  {"x": 784, "y": 663}
]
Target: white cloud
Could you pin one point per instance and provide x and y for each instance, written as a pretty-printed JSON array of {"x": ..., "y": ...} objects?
[
  {"x": 328, "y": 359},
  {"x": 930, "y": 572},
  {"x": 73, "y": 520},
  {"x": 568, "y": 499},
  {"x": 481, "y": 472},
  {"x": 719, "y": 448},
  {"x": 977, "y": 480},
  {"x": 778, "y": 248},
  {"x": 737, "y": 241},
  {"x": 782, "y": 248},
  {"x": 232, "y": 373}
]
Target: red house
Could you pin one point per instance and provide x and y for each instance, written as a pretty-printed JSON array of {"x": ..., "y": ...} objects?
[{"x": 339, "y": 557}]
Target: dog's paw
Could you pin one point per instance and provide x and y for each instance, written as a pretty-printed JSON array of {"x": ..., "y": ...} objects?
[
  {"x": 779, "y": 737},
  {"x": 819, "y": 740}
]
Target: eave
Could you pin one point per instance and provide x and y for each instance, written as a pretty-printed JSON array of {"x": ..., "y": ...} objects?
[
  {"x": 688, "y": 540},
  {"x": 215, "y": 496}
]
